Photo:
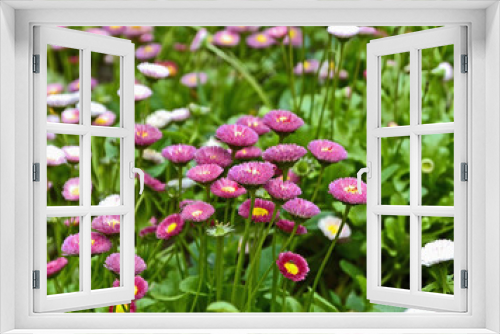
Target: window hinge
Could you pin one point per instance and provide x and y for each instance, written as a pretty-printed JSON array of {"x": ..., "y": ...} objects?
[
  {"x": 465, "y": 279},
  {"x": 464, "y": 173},
  {"x": 36, "y": 63},
  {"x": 465, "y": 64},
  {"x": 36, "y": 279},
  {"x": 36, "y": 172}
]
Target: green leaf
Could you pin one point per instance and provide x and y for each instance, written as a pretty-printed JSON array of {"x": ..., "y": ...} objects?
[
  {"x": 386, "y": 308},
  {"x": 323, "y": 303},
  {"x": 355, "y": 302},
  {"x": 222, "y": 307},
  {"x": 350, "y": 269},
  {"x": 190, "y": 285},
  {"x": 156, "y": 170}
]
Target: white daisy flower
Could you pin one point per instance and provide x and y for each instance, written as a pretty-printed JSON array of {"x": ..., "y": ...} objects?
[
  {"x": 343, "y": 31},
  {"x": 447, "y": 70},
  {"x": 330, "y": 225},
  {"x": 186, "y": 183},
  {"x": 159, "y": 119},
  {"x": 96, "y": 108},
  {"x": 55, "y": 156},
  {"x": 155, "y": 71},
  {"x": 437, "y": 251},
  {"x": 62, "y": 100},
  {"x": 180, "y": 114},
  {"x": 152, "y": 155},
  {"x": 111, "y": 200}
]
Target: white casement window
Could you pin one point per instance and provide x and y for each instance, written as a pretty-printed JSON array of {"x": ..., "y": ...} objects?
[
  {"x": 393, "y": 132},
  {"x": 87, "y": 139}
]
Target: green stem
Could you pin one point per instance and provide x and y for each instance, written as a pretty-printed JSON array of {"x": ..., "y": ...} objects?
[
  {"x": 283, "y": 296},
  {"x": 219, "y": 265},
  {"x": 226, "y": 210},
  {"x": 318, "y": 183},
  {"x": 316, "y": 76},
  {"x": 285, "y": 173},
  {"x": 159, "y": 268},
  {"x": 292, "y": 77},
  {"x": 327, "y": 257},
  {"x": 443, "y": 273},
  {"x": 335, "y": 83},
  {"x": 201, "y": 264},
  {"x": 275, "y": 274},
  {"x": 325, "y": 101},
  {"x": 179, "y": 194}
]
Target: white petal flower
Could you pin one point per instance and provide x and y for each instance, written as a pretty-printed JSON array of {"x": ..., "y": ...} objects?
[
  {"x": 437, "y": 251},
  {"x": 55, "y": 156},
  {"x": 152, "y": 155},
  {"x": 330, "y": 225},
  {"x": 111, "y": 200},
  {"x": 159, "y": 119},
  {"x": 213, "y": 142},
  {"x": 186, "y": 183},
  {"x": 447, "y": 69},
  {"x": 343, "y": 31},
  {"x": 62, "y": 100},
  {"x": 96, "y": 108},
  {"x": 180, "y": 114},
  {"x": 155, "y": 71}
]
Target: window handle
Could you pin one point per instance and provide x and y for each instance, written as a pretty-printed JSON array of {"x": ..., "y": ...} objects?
[
  {"x": 368, "y": 171},
  {"x": 133, "y": 171}
]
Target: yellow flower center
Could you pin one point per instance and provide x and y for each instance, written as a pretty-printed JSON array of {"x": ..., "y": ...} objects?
[
  {"x": 203, "y": 172},
  {"x": 102, "y": 121},
  {"x": 136, "y": 290},
  {"x": 121, "y": 308},
  {"x": 226, "y": 39},
  {"x": 77, "y": 85},
  {"x": 75, "y": 191},
  {"x": 252, "y": 171},
  {"x": 307, "y": 65},
  {"x": 192, "y": 79},
  {"x": 92, "y": 242},
  {"x": 243, "y": 151},
  {"x": 148, "y": 48},
  {"x": 53, "y": 90},
  {"x": 351, "y": 189},
  {"x": 291, "y": 268},
  {"x": 292, "y": 33},
  {"x": 326, "y": 149},
  {"x": 333, "y": 229},
  {"x": 197, "y": 213},
  {"x": 259, "y": 212},
  {"x": 113, "y": 222},
  {"x": 238, "y": 133},
  {"x": 171, "y": 227},
  {"x": 261, "y": 38},
  {"x": 115, "y": 27},
  {"x": 282, "y": 119},
  {"x": 229, "y": 189},
  {"x": 142, "y": 134}
]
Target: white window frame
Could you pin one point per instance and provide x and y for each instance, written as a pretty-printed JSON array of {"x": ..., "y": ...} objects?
[
  {"x": 86, "y": 43},
  {"x": 413, "y": 43},
  {"x": 483, "y": 100}
]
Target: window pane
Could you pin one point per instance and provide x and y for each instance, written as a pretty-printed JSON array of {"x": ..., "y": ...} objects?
[
  {"x": 105, "y": 170},
  {"x": 437, "y": 254},
  {"x": 63, "y": 84},
  {"x": 63, "y": 169},
  {"x": 395, "y": 241},
  {"x": 105, "y": 251},
  {"x": 395, "y": 178},
  {"x": 438, "y": 169},
  {"x": 63, "y": 274},
  {"x": 395, "y": 89},
  {"x": 105, "y": 83},
  {"x": 437, "y": 84}
]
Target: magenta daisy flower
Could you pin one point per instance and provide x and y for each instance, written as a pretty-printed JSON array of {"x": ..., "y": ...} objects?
[
  {"x": 346, "y": 190},
  {"x": 70, "y": 116},
  {"x": 105, "y": 119},
  {"x": 290, "y": 177},
  {"x": 154, "y": 71},
  {"x": 198, "y": 39},
  {"x": 179, "y": 154},
  {"x": 262, "y": 211},
  {"x": 185, "y": 203},
  {"x": 205, "y": 173},
  {"x": 55, "y": 266},
  {"x": 112, "y": 263},
  {"x": 72, "y": 153},
  {"x": 292, "y": 266},
  {"x": 141, "y": 286},
  {"x": 242, "y": 29},
  {"x": 284, "y": 155},
  {"x": 225, "y": 38},
  {"x": 146, "y": 134},
  {"x": 309, "y": 66},
  {"x": 147, "y": 231},
  {"x": 327, "y": 151},
  {"x": 107, "y": 224},
  {"x": 170, "y": 226},
  {"x": 153, "y": 183},
  {"x": 115, "y": 30},
  {"x": 124, "y": 308},
  {"x": 213, "y": 155},
  {"x": 282, "y": 191},
  {"x": 227, "y": 188},
  {"x": 237, "y": 135},
  {"x": 296, "y": 37},
  {"x": 277, "y": 32},
  {"x": 260, "y": 40},
  {"x": 71, "y": 189},
  {"x": 146, "y": 38},
  {"x": 248, "y": 153},
  {"x": 197, "y": 212},
  {"x": 148, "y": 51},
  {"x": 73, "y": 221},
  {"x": 55, "y": 156},
  {"x": 288, "y": 225},
  {"x": 301, "y": 208},
  {"x": 136, "y": 31},
  {"x": 254, "y": 123},
  {"x": 251, "y": 173},
  {"x": 283, "y": 121},
  {"x": 192, "y": 80},
  {"x": 100, "y": 244}
]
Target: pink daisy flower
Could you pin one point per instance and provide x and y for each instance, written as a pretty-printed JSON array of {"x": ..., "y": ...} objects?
[
  {"x": 179, "y": 154},
  {"x": 277, "y": 32},
  {"x": 251, "y": 173},
  {"x": 192, "y": 80},
  {"x": 141, "y": 286},
  {"x": 70, "y": 116},
  {"x": 288, "y": 225},
  {"x": 53, "y": 119},
  {"x": 54, "y": 88},
  {"x": 115, "y": 30},
  {"x": 346, "y": 190},
  {"x": 100, "y": 244},
  {"x": 147, "y": 231},
  {"x": 254, "y": 123},
  {"x": 146, "y": 134},
  {"x": 55, "y": 156},
  {"x": 141, "y": 92},
  {"x": 227, "y": 188},
  {"x": 242, "y": 29},
  {"x": 74, "y": 86},
  {"x": 73, "y": 221},
  {"x": 262, "y": 211},
  {"x": 155, "y": 71},
  {"x": 292, "y": 266},
  {"x": 248, "y": 153},
  {"x": 153, "y": 183},
  {"x": 97, "y": 31},
  {"x": 112, "y": 263},
  {"x": 327, "y": 151},
  {"x": 296, "y": 37},
  {"x": 236, "y": 135},
  {"x": 170, "y": 226},
  {"x": 72, "y": 153},
  {"x": 126, "y": 308},
  {"x": 71, "y": 189},
  {"x": 105, "y": 119},
  {"x": 197, "y": 212},
  {"x": 107, "y": 224},
  {"x": 205, "y": 173},
  {"x": 185, "y": 203},
  {"x": 309, "y": 66},
  {"x": 284, "y": 155},
  {"x": 301, "y": 208},
  {"x": 198, "y": 39},
  {"x": 213, "y": 155},
  {"x": 225, "y": 38},
  {"x": 172, "y": 66},
  {"x": 135, "y": 31},
  {"x": 282, "y": 191},
  {"x": 283, "y": 121},
  {"x": 55, "y": 266},
  {"x": 148, "y": 51},
  {"x": 146, "y": 38},
  {"x": 260, "y": 40}
]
